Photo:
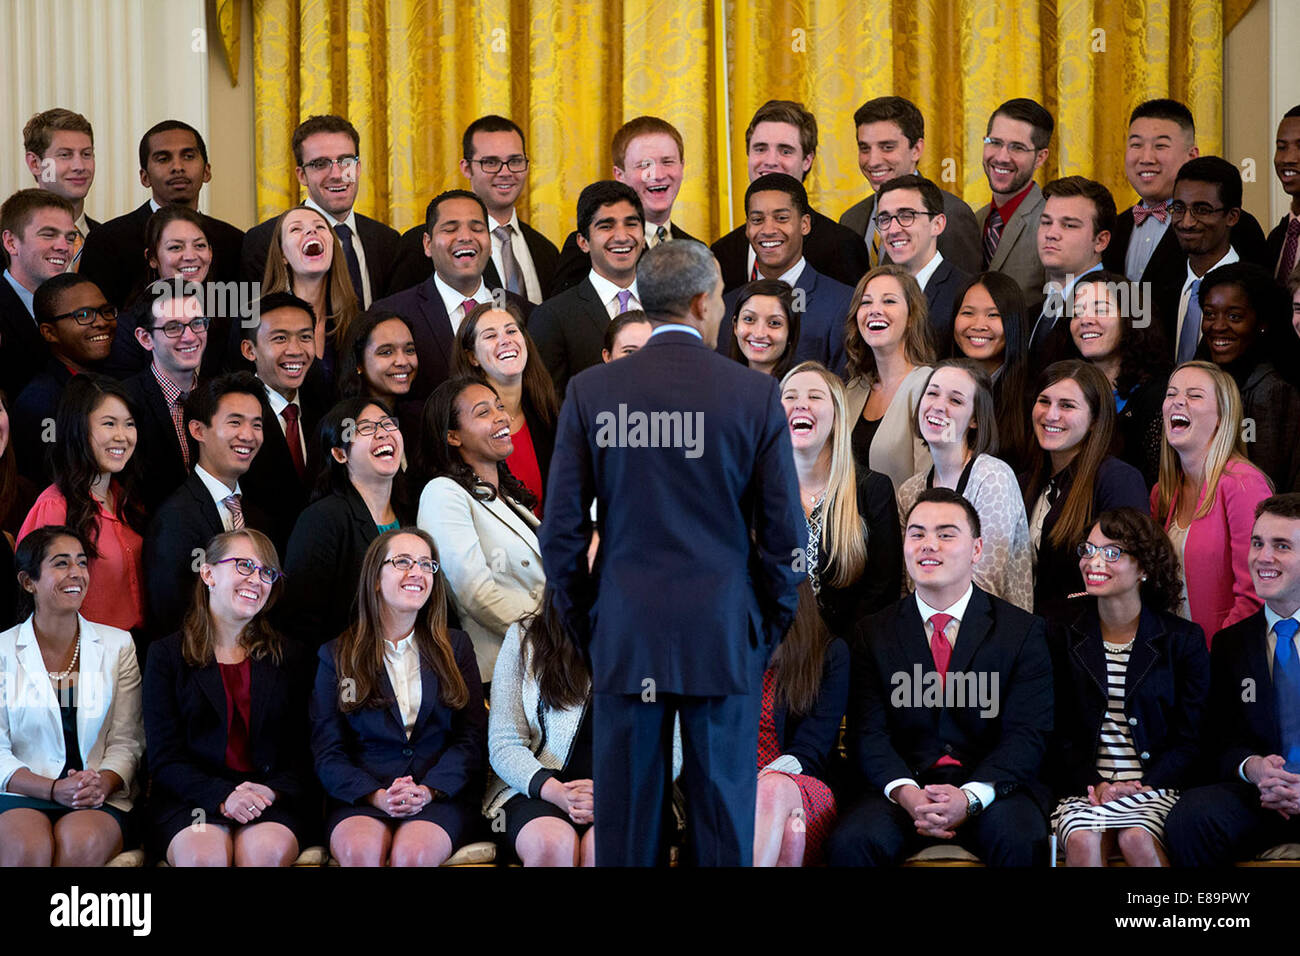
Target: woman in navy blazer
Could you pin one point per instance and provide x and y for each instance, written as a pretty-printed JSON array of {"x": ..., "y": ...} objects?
[
  {"x": 1131, "y": 682},
  {"x": 805, "y": 693},
  {"x": 399, "y": 731},
  {"x": 225, "y": 714}
]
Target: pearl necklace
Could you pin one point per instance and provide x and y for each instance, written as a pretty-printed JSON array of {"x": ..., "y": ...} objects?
[{"x": 65, "y": 674}]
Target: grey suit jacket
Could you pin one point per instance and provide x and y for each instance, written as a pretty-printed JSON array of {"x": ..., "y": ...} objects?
[
  {"x": 1017, "y": 253},
  {"x": 960, "y": 242}
]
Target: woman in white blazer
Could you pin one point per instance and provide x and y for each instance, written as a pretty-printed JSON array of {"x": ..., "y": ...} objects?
[
  {"x": 890, "y": 348},
  {"x": 70, "y": 729},
  {"x": 479, "y": 515}
]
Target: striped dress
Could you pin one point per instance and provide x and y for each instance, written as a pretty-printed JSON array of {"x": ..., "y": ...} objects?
[{"x": 1117, "y": 759}]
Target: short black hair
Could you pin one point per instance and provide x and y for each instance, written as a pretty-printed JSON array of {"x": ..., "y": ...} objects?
[
  {"x": 488, "y": 124},
  {"x": 605, "y": 192},
  {"x": 781, "y": 183},
  {"x": 1216, "y": 170},
  {"x": 931, "y": 195},
  {"x": 1261, "y": 289},
  {"x": 45, "y": 301},
  {"x": 1103, "y": 203},
  {"x": 431, "y": 211},
  {"x": 1165, "y": 109},
  {"x": 1027, "y": 111},
  {"x": 203, "y": 402},
  {"x": 946, "y": 496},
  {"x": 1292, "y": 113},
  {"x": 167, "y": 126},
  {"x": 1284, "y": 505},
  {"x": 893, "y": 109},
  {"x": 269, "y": 303}
]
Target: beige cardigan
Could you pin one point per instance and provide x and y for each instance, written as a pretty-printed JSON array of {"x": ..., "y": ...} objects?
[{"x": 895, "y": 451}]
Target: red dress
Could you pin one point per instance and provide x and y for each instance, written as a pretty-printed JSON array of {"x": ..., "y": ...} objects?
[
  {"x": 818, "y": 801},
  {"x": 523, "y": 464}
]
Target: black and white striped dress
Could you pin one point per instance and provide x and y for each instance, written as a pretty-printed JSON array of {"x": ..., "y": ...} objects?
[{"x": 1117, "y": 759}]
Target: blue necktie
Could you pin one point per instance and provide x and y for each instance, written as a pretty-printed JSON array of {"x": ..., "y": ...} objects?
[
  {"x": 1191, "y": 331},
  {"x": 1286, "y": 690},
  {"x": 354, "y": 264}
]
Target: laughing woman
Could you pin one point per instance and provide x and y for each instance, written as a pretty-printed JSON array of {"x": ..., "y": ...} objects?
[
  {"x": 765, "y": 328},
  {"x": 399, "y": 731},
  {"x": 380, "y": 362}
]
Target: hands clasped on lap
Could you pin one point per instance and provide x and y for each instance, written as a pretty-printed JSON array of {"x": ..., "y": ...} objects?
[
  {"x": 576, "y": 798},
  {"x": 937, "y": 810},
  {"x": 247, "y": 801},
  {"x": 403, "y": 798}
]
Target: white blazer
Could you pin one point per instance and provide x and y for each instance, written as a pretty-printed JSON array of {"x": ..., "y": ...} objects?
[
  {"x": 489, "y": 553},
  {"x": 110, "y": 732}
]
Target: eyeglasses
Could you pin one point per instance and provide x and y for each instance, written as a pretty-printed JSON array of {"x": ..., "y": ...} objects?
[
  {"x": 175, "y": 328},
  {"x": 87, "y": 316},
  {"x": 404, "y": 563},
  {"x": 905, "y": 218},
  {"x": 1015, "y": 149},
  {"x": 246, "y": 566},
  {"x": 367, "y": 427},
  {"x": 1201, "y": 210},
  {"x": 1110, "y": 553},
  {"x": 324, "y": 165},
  {"x": 516, "y": 164}
]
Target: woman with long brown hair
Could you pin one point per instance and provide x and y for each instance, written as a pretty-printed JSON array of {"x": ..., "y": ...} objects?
[
  {"x": 225, "y": 716},
  {"x": 398, "y": 724}
]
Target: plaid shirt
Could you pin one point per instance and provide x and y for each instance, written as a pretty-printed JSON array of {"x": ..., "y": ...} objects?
[{"x": 175, "y": 399}]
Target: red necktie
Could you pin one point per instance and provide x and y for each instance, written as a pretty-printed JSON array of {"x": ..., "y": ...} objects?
[
  {"x": 292, "y": 438},
  {"x": 468, "y": 306},
  {"x": 992, "y": 233},
  {"x": 941, "y": 648},
  {"x": 1141, "y": 212}
]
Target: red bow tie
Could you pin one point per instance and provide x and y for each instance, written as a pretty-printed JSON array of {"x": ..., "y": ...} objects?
[{"x": 1140, "y": 213}]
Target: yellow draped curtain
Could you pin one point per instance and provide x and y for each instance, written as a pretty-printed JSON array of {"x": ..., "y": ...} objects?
[{"x": 411, "y": 74}]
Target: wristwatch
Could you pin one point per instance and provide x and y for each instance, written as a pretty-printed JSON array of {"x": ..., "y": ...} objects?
[{"x": 973, "y": 805}]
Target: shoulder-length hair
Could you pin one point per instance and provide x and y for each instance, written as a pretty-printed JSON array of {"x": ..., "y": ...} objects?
[
  {"x": 1225, "y": 446},
  {"x": 1145, "y": 541},
  {"x": 981, "y": 436},
  {"x": 352, "y": 357},
  {"x": 337, "y": 429},
  {"x": 340, "y": 298},
  {"x": 539, "y": 389},
  {"x": 563, "y": 678},
  {"x": 441, "y": 458},
  {"x": 258, "y": 638},
  {"x": 1076, "y": 514},
  {"x": 843, "y": 531},
  {"x": 800, "y": 659},
  {"x": 1143, "y": 354},
  {"x": 782, "y": 292},
  {"x": 73, "y": 460},
  {"x": 30, "y": 554},
  {"x": 918, "y": 342},
  {"x": 359, "y": 654},
  {"x": 153, "y": 233}
]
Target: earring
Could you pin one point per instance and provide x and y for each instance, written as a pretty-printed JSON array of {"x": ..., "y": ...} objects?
[{"x": 1144, "y": 577}]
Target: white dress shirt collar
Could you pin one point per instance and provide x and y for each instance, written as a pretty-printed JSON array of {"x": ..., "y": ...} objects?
[
  {"x": 1229, "y": 257},
  {"x": 608, "y": 292},
  {"x": 957, "y": 609},
  {"x": 350, "y": 220},
  {"x": 927, "y": 270},
  {"x": 219, "y": 492},
  {"x": 453, "y": 300}
]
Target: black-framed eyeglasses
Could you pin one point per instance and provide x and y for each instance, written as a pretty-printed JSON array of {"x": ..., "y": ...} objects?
[
  {"x": 404, "y": 563},
  {"x": 1015, "y": 149},
  {"x": 493, "y": 164},
  {"x": 246, "y": 567},
  {"x": 175, "y": 328},
  {"x": 325, "y": 164},
  {"x": 905, "y": 217},
  {"x": 1110, "y": 553},
  {"x": 367, "y": 427},
  {"x": 87, "y": 316},
  {"x": 1201, "y": 210}
]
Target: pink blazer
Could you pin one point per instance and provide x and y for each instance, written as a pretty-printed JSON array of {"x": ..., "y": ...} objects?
[{"x": 1219, "y": 588}]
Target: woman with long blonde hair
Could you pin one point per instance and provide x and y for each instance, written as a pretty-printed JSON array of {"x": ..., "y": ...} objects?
[
  {"x": 854, "y": 555},
  {"x": 1207, "y": 493}
]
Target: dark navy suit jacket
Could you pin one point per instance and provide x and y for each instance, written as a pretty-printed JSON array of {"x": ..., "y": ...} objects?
[
  {"x": 821, "y": 326},
  {"x": 681, "y": 593},
  {"x": 1241, "y": 724},
  {"x": 941, "y": 296}
]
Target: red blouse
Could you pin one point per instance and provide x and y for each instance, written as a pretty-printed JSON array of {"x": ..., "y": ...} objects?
[
  {"x": 235, "y": 678},
  {"x": 523, "y": 464}
]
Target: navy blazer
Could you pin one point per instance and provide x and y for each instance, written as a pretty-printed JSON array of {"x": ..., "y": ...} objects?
[
  {"x": 1243, "y": 707},
  {"x": 941, "y": 296},
  {"x": 685, "y": 597},
  {"x": 413, "y": 266},
  {"x": 833, "y": 250},
  {"x": 821, "y": 325},
  {"x": 1165, "y": 692},
  {"x": 28, "y": 412},
  {"x": 811, "y": 737},
  {"x": 22, "y": 349},
  {"x": 363, "y": 751},
  {"x": 573, "y": 265},
  {"x": 890, "y": 736},
  {"x": 185, "y": 723}
]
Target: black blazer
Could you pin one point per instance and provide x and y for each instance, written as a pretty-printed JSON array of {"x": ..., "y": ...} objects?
[
  {"x": 185, "y": 723},
  {"x": 22, "y": 350},
  {"x": 1242, "y": 718},
  {"x": 941, "y": 295},
  {"x": 811, "y": 737},
  {"x": 184, "y": 522},
  {"x": 272, "y": 483},
  {"x": 569, "y": 332},
  {"x": 573, "y": 265},
  {"x": 1273, "y": 247},
  {"x": 1165, "y": 692},
  {"x": 379, "y": 242},
  {"x": 1139, "y": 428},
  {"x": 366, "y": 750},
  {"x": 833, "y": 250},
  {"x": 156, "y": 440},
  {"x": 882, "y": 578},
  {"x": 413, "y": 266},
  {"x": 422, "y": 306},
  {"x": 323, "y": 565},
  {"x": 113, "y": 256},
  {"x": 995, "y": 640},
  {"x": 28, "y": 411}
]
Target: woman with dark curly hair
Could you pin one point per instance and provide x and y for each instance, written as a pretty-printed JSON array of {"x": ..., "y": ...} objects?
[{"x": 1131, "y": 685}]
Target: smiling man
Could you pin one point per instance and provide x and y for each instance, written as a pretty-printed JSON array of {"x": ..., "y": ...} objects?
[
  {"x": 327, "y": 160},
  {"x": 173, "y": 167},
  {"x": 59, "y": 149},
  {"x": 569, "y": 329},
  {"x": 1284, "y": 241}
]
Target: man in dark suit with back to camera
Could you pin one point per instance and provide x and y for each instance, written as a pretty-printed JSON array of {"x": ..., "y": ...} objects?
[
  {"x": 688, "y": 457},
  {"x": 950, "y": 708},
  {"x": 1254, "y": 713}
]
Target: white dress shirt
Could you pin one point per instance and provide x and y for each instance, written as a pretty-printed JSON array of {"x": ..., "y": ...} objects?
[
  {"x": 929, "y": 269},
  {"x": 278, "y": 405},
  {"x": 1186, "y": 296},
  {"x": 608, "y": 292},
  {"x": 532, "y": 285},
  {"x": 351, "y": 223},
  {"x": 454, "y": 302},
  {"x": 219, "y": 492},
  {"x": 402, "y": 662}
]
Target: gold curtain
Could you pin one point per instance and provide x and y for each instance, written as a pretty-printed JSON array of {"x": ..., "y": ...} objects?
[{"x": 411, "y": 74}]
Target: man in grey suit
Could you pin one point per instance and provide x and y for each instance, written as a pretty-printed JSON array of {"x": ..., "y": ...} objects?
[
  {"x": 1015, "y": 147},
  {"x": 891, "y": 139}
]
